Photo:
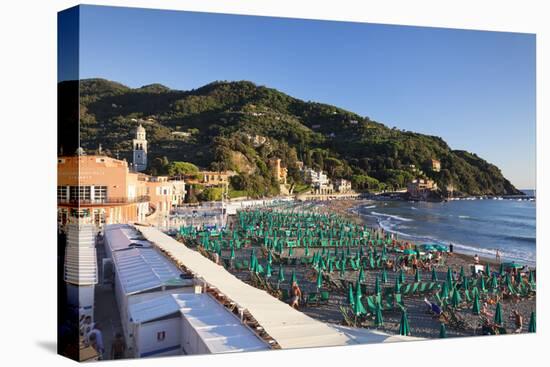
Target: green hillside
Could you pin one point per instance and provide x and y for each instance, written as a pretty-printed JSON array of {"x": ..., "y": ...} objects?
[{"x": 239, "y": 126}]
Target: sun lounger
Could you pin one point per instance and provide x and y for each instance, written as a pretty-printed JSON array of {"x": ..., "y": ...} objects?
[{"x": 325, "y": 296}]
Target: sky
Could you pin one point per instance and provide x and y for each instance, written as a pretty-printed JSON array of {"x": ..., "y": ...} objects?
[{"x": 475, "y": 89}]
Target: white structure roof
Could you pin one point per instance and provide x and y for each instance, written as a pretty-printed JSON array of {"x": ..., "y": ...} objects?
[
  {"x": 121, "y": 236},
  {"x": 220, "y": 330},
  {"x": 142, "y": 269},
  {"x": 289, "y": 327},
  {"x": 80, "y": 265}
]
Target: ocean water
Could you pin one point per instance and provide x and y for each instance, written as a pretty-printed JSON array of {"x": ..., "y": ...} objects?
[{"x": 473, "y": 226}]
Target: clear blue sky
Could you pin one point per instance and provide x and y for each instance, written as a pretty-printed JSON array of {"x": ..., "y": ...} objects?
[{"x": 475, "y": 89}]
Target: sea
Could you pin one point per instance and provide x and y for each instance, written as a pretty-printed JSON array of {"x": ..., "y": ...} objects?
[{"x": 478, "y": 226}]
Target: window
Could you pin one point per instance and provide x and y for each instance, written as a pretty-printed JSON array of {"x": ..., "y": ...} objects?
[
  {"x": 81, "y": 193},
  {"x": 161, "y": 335},
  {"x": 62, "y": 193},
  {"x": 100, "y": 194}
]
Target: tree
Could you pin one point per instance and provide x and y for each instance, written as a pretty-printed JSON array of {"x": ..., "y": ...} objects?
[
  {"x": 182, "y": 168},
  {"x": 211, "y": 194},
  {"x": 159, "y": 166}
]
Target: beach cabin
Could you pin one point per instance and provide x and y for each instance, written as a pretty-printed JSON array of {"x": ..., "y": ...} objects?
[
  {"x": 141, "y": 274},
  {"x": 188, "y": 323}
]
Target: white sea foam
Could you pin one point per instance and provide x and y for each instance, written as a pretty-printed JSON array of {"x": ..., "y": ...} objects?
[{"x": 392, "y": 216}]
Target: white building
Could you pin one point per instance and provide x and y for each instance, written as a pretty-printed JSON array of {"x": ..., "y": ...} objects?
[
  {"x": 342, "y": 186},
  {"x": 140, "y": 150}
]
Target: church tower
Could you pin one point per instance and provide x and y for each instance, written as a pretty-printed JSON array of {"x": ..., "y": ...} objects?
[{"x": 140, "y": 150}]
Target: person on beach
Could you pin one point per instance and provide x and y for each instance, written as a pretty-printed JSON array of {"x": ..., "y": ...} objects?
[
  {"x": 97, "y": 337},
  {"x": 497, "y": 255},
  {"x": 476, "y": 259},
  {"x": 518, "y": 320},
  {"x": 451, "y": 249},
  {"x": 433, "y": 307},
  {"x": 296, "y": 294},
  {"x": 485, "y": 310}
]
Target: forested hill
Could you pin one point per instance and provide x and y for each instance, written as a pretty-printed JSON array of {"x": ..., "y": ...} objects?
[{"x": 239, "y": 126}]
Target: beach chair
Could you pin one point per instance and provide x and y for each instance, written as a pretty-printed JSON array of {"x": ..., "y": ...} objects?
[
  {"x": 406, "y": 289},
  {"x": 399, "y": 301},
  {"x": 312, "y": 299},
  {"x": 414, "y": 288},
  {"x": 423, "y": 287},
  {"x": 467, "y": 295},
  {"x": 431, "y": 286},
  {"x": 324, "y": 297},
  {"x": 371, "y": 304}
]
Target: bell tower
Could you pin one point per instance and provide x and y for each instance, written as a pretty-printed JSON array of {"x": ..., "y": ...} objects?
[{"x": 140, "y": 150}]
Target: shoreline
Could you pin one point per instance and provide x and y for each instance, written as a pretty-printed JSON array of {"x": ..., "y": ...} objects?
[{"x": 345, "y": 208}]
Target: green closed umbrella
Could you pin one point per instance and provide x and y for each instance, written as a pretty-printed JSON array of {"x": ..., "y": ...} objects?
[
  {"x": 434, "y": 275},
  {"x": 397, "y": 288},
  {"x": 404, "y": 325},
  {"x": 498, "y": 314},
  {"x": 281, "y": 274},
  {"x": 384, "y": 276},
  {"x": 444, "y": 291},
  {"x": 232, "y": 256},
  {"x": 475, "y": 305},
  {"x": 290, "y": 251},
  {"x": 494, "y": 282},
  {"x": 442, "y": 331},
  {"x": 252, "y": 264},
  {"x": 293, "y": 277},
  {"x": 455, "y": 299},
  {"x": 533, "y": 323},
  {"x": 361, "y": 275},
  {"x": 330, "y": 265},
  {"x": 417, "y": 277},
  {"x": 501, "y": 269},
  {"x": 306, "y": 250},
  {"x": 268, "y": 270},
  {"x": 358, "y": 308},
  {"x": 482, "y": 284},
  {"x": 377, "y": 289},
  {"x": 450, "y": 277},
  {"x": 343, "y": 264},
  {"x": 319, "y": 278},
  {"x": 378, "y": 320},
  {"x": 401, "y": 276},
  {"x": 487, "y": 269},
  {"x": 462, "y": 272},
  {"x": 351, "y": 298},
  {"x": 269, "y": 257},
  {"x": 465, "y": 282}
]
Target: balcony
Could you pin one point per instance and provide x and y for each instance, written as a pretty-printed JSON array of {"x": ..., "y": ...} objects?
[{"x": 103, "y": 201}]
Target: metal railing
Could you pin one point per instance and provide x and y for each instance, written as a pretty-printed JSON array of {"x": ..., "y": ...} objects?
[{"x": 108, "y": 200}]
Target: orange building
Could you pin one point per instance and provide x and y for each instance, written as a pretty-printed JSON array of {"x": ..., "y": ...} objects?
[{"x": 102, "y": 190}]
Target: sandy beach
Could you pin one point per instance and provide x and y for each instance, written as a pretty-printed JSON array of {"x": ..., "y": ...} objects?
[{"x": 422, "y": 322}]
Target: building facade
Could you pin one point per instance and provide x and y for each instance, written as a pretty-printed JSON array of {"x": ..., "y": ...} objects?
[{"x": 102, "y": 190}]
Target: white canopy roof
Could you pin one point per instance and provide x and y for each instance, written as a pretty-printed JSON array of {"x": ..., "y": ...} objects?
[
  {"x": 142, "y": 269},
  {"x": 221, "y": 331},
  {"x": 120, "y": 236},
  {"x": 289, "y": 327}
]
